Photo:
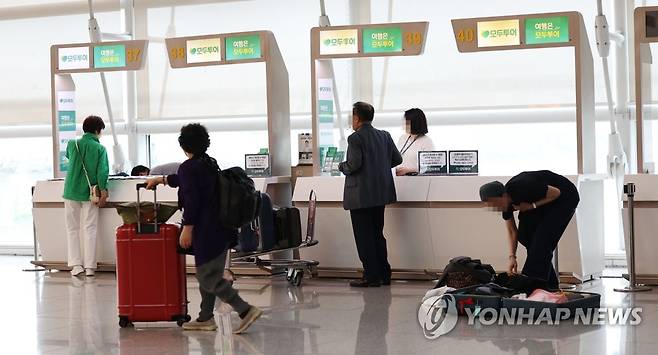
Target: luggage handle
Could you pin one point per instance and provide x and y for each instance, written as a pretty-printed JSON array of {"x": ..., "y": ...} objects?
[
  {"x": 310, "y": 222},
  {"x": 255, "y": 227},
  {"x": 155, "y": 208}
]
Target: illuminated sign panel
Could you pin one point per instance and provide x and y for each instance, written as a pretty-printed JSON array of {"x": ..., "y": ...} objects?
[
  {"x": 204, "y": 50},
  {"x": 339, "y": 42},
  {"x": 243, "y": 47},
  {"x": 111, "y": 56},
  {"x": 73, "y": 58},
  {"x": 498, "y": 33},
  {"x": 547, "y": 30},
  {"x": 382, "y": 40}
]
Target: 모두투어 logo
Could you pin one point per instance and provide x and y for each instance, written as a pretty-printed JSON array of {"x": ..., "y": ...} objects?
[
  {"x": 498, "y": 33},
  {"x": 339, "y": 41},
  {"x": 71, "y": 58},
  {"x": 75, "y": 58},
  {"x": 204, "y": 50}
]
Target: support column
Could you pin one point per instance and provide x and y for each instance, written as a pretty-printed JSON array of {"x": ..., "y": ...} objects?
[
  {"x": 621, "y": 13},
  {"x": 362, "y": 86},
  {"x": 129, "y": 87},
  {"x": 142, "y": 85}
]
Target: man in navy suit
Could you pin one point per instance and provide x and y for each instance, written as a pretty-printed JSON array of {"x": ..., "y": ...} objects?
[{"x": 369, "y": 187}]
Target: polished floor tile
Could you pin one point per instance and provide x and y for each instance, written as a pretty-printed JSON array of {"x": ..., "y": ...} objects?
[{"x": 53, "y": 313}]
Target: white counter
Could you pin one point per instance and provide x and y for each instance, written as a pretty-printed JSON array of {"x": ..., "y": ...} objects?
[
  {"x": 440, "y": 217},
  {"x": 646, "y": 225},
  {"x": 48, "y": 214}
]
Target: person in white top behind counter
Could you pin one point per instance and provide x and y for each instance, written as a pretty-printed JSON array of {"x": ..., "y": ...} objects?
[{"x": 414, "y": 140}]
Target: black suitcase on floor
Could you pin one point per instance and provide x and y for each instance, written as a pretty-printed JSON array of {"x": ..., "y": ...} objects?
[
  {"x": 288, "y": 227},
  {"x": 259, "y": 235},
  {"x": 466, "y": 300}
]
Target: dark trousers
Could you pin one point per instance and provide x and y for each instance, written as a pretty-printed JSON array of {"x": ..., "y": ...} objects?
[
  {"x": 368, "y": 228},
  {"x": 212, "y": 285},
  {"x": 541, "y": 236}
]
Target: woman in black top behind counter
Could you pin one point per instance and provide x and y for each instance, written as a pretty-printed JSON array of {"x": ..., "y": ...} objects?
[
  {"x": 197, "y": 185},
  {"x": 546, "y": 203}
]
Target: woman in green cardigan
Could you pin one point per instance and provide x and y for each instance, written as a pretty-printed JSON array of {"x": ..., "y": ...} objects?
[{"x": 88, "y": 166}]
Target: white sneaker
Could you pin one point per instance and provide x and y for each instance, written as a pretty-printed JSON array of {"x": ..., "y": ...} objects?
[
  {"x": 77, "y": 270},
  {"x": 253, "y": 314},
  {"x": 208, "y": 325},
  {"x": 90, "y": 272}
]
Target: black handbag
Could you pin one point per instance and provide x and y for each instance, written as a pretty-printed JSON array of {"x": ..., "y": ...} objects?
[{"x": 463, "y": 272}]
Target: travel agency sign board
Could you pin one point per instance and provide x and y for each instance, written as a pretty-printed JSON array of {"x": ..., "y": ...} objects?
[{"x": 513, "y": 32}]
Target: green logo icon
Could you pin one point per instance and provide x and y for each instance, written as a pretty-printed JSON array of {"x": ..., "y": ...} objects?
[
  {"x": 193, "y": 50},
  {"x": 485, "y": 34},
  {"x": 64, "y": 58},
  {"x": 327, "y": 42}
]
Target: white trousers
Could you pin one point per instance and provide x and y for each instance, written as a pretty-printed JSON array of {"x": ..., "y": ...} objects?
[{"x": 85, "y": 212}]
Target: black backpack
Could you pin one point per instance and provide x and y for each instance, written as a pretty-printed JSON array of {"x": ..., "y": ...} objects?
[
  {"x": 463, "y": 271},
  {"x": 239, "y": 202}
]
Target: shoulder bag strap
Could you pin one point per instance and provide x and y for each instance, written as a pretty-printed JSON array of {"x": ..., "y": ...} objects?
[{"x": 83, "y": 164}]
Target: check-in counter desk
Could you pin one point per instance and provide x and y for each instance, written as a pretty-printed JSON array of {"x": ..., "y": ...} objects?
[
  {"x": 50, "y": 229},
  {"x": 646, "y": 227},
  {"x": 439, "y": 217}
]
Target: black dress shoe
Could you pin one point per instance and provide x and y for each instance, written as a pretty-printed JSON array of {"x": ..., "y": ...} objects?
[
  {"x": 365, "y": 283},
  {"x": 386, "y": 282}
]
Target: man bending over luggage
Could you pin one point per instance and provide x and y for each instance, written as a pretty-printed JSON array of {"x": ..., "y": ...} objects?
[
  {"x": 546, "y": 202},
  {"x": 197, "y": 185}
]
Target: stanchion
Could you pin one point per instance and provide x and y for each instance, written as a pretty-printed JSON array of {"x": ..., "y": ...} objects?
[{"x": 633, "y": 286}]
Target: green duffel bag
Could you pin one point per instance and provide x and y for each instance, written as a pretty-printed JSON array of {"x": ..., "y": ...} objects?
[{"x": 128, "y": 212}]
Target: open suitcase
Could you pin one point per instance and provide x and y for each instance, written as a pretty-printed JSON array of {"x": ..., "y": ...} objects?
[
  {"x": 466, "y": 300},
  {"x": 150, "y": 273}
]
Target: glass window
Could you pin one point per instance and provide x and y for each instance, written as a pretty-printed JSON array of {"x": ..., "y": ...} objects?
[
  {"x": 442, "y": 77},
  {"x": 23, "y": 161},
  {"x": 11, "y": 3},
  {"x": 108, "y": 142},
  {"x": 228, "y": 148},
  {"x": 25, "y": 84},
  {"x": 234, "y": 89}
]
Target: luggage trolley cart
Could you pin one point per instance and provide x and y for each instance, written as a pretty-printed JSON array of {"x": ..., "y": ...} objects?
[{"x": 296, "y": 266}]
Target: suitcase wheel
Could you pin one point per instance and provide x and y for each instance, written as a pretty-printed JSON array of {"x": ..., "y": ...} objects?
[
  {"x": 295, "y": 276},
  {"x": 183, "y": 319},
  {"x": 124, "y": 322}
]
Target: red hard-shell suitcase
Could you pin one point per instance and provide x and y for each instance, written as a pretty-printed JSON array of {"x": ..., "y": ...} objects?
[{"x": 150, "y": 273}]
